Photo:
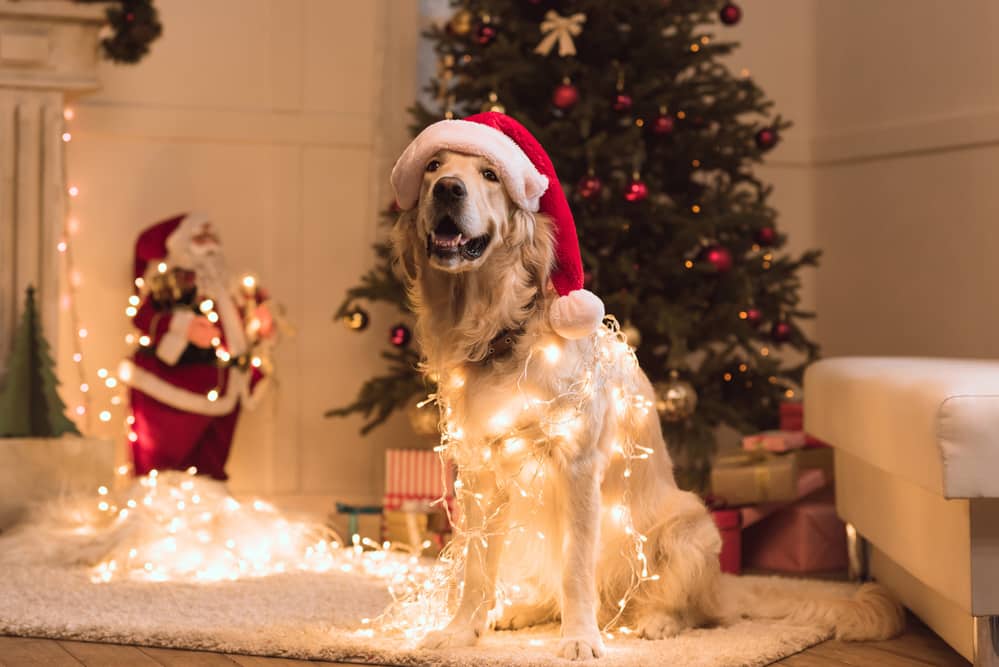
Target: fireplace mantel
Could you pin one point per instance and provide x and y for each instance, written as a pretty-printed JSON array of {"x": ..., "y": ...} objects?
[{"x": 49, "y": 51}]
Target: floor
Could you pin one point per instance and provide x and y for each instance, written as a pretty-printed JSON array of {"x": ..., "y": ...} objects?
[{"x": 918, "y": 647}]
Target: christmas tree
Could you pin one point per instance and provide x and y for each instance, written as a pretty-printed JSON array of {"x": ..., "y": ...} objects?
[
  {"x": 654, "y": 139},
  {"x": 29, "y": 403}
]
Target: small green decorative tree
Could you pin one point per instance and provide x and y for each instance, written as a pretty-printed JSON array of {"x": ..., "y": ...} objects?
[{"x": 29, "y": 403}]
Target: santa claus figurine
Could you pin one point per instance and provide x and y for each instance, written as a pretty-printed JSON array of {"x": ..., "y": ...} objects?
[{"x": 202, "y": 350}]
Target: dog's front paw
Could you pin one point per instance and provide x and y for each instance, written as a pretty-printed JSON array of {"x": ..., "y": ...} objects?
[
  {"x": 518, "y": 616},
  {"x": 581, "y": 648},
  {"x": 659, "y": 625},
  {"x": 453, "y": 636}
]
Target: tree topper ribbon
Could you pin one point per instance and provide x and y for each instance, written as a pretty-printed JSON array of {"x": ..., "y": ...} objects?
[{"x": 561, "y": 29}]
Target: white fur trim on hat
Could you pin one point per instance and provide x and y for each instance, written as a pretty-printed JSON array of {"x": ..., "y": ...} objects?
[
  {"x": 577, "y": 314},
  {"x": 522, "y": 180}
]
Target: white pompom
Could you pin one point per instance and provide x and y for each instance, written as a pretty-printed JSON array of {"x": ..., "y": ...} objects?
[{"x": 577, "y": 314}]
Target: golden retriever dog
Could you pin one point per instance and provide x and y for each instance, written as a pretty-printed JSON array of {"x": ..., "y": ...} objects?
[{"x": 570, "y": 509}]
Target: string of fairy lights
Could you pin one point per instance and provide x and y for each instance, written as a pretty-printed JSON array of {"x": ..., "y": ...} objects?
[{"x": 83, "y": 410}]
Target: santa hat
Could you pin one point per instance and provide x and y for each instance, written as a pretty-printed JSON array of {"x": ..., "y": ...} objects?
[
  {"x": 153, "y": 244},
  {"x": 529, "y": 177}
]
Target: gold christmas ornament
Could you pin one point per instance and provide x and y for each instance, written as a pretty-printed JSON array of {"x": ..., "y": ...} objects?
[
  {"x": 676, "y": 399},
  {"x": 493, "y": 104},
  {"x": 560, "y": 29},
  {"x": 632, "y": 333},
  {"x": 423, "y": 420},
  {"x": 461, "y": 22}
]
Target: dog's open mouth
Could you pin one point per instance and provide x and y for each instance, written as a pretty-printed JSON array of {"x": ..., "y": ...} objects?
[{"x": 448, "y": 242}]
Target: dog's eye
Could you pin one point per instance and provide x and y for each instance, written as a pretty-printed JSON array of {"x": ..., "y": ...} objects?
[
  {"x": 433, "y": 165},
  {"x": 490, "y": 175}
]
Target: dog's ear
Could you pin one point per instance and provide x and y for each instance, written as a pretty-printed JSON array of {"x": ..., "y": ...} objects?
[
  {"x": 405, "y": 246},
  {"x": 536, "y": 243}
]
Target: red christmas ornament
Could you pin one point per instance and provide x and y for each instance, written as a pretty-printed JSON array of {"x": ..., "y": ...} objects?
[
  {"x": 662, "y": 124},
  {"x": 400, "y": 335},
  {"x": 766, "y": 235},
  {"x": 622, "y": 102},
  {"x": 781, "y": 332},
  {"x": 637, "y": 190},
  {"x": 589, "y": 186},
  {"x": 719, "y": 257},
  {"x": 754, "y": 316},
  {"x": 565, "y": 96},
  {"x": 485, "y": 34},
  {"x": 766, "y": 138},
  {"x": 730, "y": 14}
]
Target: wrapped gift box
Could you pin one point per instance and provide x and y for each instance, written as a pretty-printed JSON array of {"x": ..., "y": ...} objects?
[
  {"x": 816, "y": 457},
  {"x": 747, "y": 478},
  {"x": 792, "y": 416},
  {"x": 732, "y": 521},
  {"x": 416, "y": 481},
  {"x": 774, "y": 441},
  {"x": 806, "y": 536}
]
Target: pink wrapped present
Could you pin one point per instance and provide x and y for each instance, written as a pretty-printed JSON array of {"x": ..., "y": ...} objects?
[
  {"x": 415, "y": 482},
  {"x": 807, "y": 536},
  {"x": 732, "y": 521},
  {"x": 729, "y": 523},
  {"x": 792, "y": 416},
  {"x": 774, "y": 441}
]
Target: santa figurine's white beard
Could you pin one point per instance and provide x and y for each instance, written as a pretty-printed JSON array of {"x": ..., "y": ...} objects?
[{"x": 208, "y": 264}]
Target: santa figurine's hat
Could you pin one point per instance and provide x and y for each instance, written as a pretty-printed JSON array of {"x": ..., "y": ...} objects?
[
  {"x": 153, "y": 243},
  {"x": 529, "y": 177}
]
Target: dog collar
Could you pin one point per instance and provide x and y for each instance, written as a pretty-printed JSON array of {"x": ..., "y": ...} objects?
[{"x": 503, "y": 343}]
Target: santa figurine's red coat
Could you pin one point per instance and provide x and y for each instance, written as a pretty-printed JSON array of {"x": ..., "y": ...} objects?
[{"x": 195, "y": 364}]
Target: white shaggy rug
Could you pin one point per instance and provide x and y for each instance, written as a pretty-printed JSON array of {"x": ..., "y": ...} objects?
[{"x": 315, "y": 616}]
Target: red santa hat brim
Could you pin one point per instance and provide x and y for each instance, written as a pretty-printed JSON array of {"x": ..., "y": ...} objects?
[{"x": 521, "y": 178}]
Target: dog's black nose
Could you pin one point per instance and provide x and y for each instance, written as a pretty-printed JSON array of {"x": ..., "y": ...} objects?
[{"x": 449, "y": 190}]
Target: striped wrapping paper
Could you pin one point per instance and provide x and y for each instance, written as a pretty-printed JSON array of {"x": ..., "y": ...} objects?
[{"x": 413, "y": 477}]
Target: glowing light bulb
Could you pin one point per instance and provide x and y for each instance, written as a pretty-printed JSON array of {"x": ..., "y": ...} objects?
[
  {"x": 249, "y": 282},
  {"x": 80, "y": 410},
  {"x": 206, "y": 305},
  {"x": 77, "y": 357},
  {"x": 212, "y": 316},
  {"x": 131, "y": 311},
  {"x": 500, "y": 421},
  {"x": 111, "y": 383},
  {"x": 61, "y": 246},
  {"x": 133, "y": 436},
  {"x": 68, "y": 113},
  {"x": 144, "y": 341},
  {"x": 618, "y": 512},
  {"x": 103, "y": 506},
  {"x": 67, "y": 137},
  {"x": 105, "y": 416},
  {"x": 84, "y": 387},
  {"x": 73, "y": 225},
  {"x": 213, "y": 395},
  {"x": 256, "y": 362},
  {"x": 513, "y": 445},
  {"x": 73, "y": 191},
  {"x": 552, "y": 353},
  {"x": 216, "y": 341},
  {"x": 139, "y": 283},
  {"x": 161, "y": 267}
]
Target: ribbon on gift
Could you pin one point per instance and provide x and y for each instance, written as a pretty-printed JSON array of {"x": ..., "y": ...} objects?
[{"x": 560, "y": 29}]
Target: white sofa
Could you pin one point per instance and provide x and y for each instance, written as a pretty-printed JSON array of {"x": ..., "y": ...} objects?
[{"x": 917, "y": 476}]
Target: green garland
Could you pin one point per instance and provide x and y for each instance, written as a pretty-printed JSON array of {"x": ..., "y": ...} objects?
[{"x": 135, "y": 25}]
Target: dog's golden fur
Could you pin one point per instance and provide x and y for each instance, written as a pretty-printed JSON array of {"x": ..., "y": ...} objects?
[{"x": 583, "y": 564}]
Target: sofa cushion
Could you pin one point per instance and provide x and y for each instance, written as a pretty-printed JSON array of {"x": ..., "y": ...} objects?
[{"x": 934, "y": 422}]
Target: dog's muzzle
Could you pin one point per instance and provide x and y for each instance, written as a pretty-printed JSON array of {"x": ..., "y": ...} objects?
[{"x": 447, "y": 241}]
